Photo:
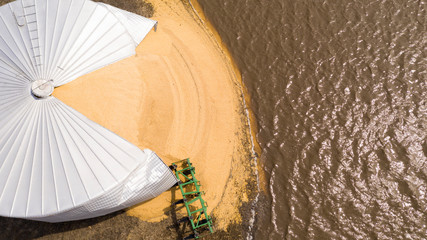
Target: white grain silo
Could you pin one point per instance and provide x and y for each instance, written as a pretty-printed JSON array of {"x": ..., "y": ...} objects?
[{"x": 56, "y": 164}]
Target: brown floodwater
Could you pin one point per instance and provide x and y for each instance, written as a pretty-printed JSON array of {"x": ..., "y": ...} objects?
[{"x": 339, "y": 91}]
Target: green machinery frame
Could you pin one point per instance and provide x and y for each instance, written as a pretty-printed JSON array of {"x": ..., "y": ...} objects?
[{"x": 196, "y": 207}]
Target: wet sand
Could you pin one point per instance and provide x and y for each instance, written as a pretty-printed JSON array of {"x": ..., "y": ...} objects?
[{"x": 181, "y": 97}]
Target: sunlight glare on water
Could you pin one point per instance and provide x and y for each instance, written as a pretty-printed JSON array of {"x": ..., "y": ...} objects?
[{"x": 339, "y": 92}]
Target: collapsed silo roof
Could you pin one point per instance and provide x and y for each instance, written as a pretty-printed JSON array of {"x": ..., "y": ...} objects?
[{"x": 56, "y": 164}]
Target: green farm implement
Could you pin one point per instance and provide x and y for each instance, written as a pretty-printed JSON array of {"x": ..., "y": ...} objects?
[{"x": 196, "y": 207}]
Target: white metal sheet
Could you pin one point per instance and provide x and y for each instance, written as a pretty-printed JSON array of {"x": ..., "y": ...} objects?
[{"x": 56, "y": 164}]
